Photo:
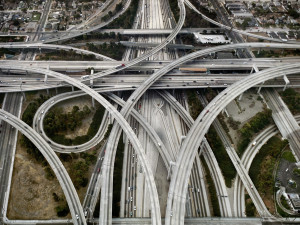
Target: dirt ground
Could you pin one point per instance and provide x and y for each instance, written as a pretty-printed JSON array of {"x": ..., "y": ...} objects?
[
  {"x": 31, "y": 195},
  {"x": 243, "y": 111}
]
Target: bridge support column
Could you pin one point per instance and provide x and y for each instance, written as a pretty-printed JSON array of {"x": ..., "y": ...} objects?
[
  {"x": 241, "y": 97},
  {"x": 93, "y": 102},
  {"x": 173, "y": 92},
  {"x": 170, "y": 170},
  {"x": 92, "y": 80},
  {"x": 46, "y": 75},
  {"x": 286, "y": 80},
  {"x": 72, "y": 88},
  {"x": 258, "y": 91},
  {"x": 56, "y": 91},
  {"x": 258, "y": 51},
  {"x": 47, "y": 91}
]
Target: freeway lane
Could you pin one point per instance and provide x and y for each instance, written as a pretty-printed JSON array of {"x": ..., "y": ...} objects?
[{"x": 8, "y": 135}]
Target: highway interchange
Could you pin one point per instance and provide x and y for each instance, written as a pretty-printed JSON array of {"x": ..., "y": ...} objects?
[{"x": 174, "y": 161}]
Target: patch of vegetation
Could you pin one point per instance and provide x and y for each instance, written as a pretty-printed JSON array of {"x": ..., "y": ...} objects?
[
  {"x": 107, "y": 133},
  {"x": 101, "y": 36},
  {"x": 113, "y": 50},
  {"x": 1, "y": 99},
  {"x": 49, "y": 174},
  {"x": 256, "y": 124},
  {"x": 291, "y": 99},
  {"x": 174, "y": 8},
  {"x": 12, "y": 38},
  {"x": 212, "y": 190},
  {"x": 118, "y": 178},
  {"x": 27, "y": 117},
  {"x": 222, "y": 157},
  {"x": 233, "y": 123},
  {"x": 126, "y": 20},
  {"x": 195, "y": 106},
  {"x": 296, "y": 171},
  {"x": 66, "y": 55},
  {"x": 36, "y": 16},
  {"x": 78, "y": 172},
  {"x": 288, "y": 156},
  {"x": 193, "y": 19},
  {"x": 262, "y": 167},
  {"x": 281, "y": 212},
  {"x": 58, "y": 121},
  {"x": 250, "y": 207},
  {"x": 112, "y": 13},
  {"x": 62, "y": 210}
]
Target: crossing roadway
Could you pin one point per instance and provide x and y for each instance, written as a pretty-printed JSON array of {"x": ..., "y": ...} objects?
[{"x": 195, "y": 136}]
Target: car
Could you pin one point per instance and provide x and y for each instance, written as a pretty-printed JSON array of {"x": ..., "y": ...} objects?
[
  {"x": 49, "y": 142},
  {"x": 39, "y": 118},
  {"x": 5, "y": 117},
  {"x": 77, "y": 217},
  {"x": 98, "y": 170},
  {"x": 225, "y": 84},
  {"x": 160, "y": 62},
  {"x": 132, "y": 155},
  {"x": 171, "y": 213},
  {"x": 131, "y": 213},
  {"x": 42, "y": 112},
  {"x": 251, "y": 186},
  {"x": 52, "y": 102},
  {"x": 85, "y": 213},
  {"x": 131, "y": 199},
  {"x": 128, "y": 188},
  {"x": 134, "y": 207}
]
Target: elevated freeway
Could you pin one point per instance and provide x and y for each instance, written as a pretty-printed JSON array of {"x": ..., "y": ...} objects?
[
  {"x": 129, "y": 132},
  {"x": 196, "y": 134},
  {"x": 40, "y": 46},
  {"x": 284, "y": 120}
]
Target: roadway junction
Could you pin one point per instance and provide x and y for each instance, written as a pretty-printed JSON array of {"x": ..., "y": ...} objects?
[{"x": 165, "y": 66}]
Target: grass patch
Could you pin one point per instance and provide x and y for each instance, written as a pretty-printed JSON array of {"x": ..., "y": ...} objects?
[
  {"x": 262, "y": 167},
  {"x": 256, "y": 124},
  {"x": 222, "y": 157},
  {"x": 36, "y": 16},
  {"x": 288, "y": 156},
  {"x": 212, "y": 190},
  {"x": 291, "y": 99}
]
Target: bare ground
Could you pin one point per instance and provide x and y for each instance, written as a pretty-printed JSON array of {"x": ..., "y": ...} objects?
[{"x": 31, "y": 195}]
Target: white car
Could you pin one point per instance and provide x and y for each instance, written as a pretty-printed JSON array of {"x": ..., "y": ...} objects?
[{"x": 77, "y": 217}]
